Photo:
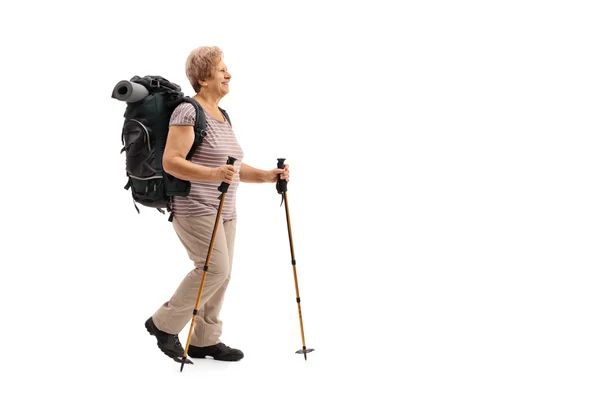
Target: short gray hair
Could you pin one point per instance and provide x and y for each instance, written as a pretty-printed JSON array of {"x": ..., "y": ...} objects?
[{"x": 200, "y": 64}]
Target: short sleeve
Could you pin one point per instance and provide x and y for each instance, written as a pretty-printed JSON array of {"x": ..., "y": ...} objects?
[{"x": 184, "y": 114}]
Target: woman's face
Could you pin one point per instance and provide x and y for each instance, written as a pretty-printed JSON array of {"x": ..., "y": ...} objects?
[{"x": 219, "y": 81}]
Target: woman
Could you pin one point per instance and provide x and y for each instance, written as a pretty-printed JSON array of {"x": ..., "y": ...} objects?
[{"x": 194, "y": 215}]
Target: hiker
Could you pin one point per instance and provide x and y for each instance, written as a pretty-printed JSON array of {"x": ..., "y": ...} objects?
[{"x": 194, "y": 215}]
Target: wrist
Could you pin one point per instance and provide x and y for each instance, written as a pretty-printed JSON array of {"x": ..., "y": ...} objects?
[
  {"x": 265, "y": 177},
  {"x": 214, "y": 174}
]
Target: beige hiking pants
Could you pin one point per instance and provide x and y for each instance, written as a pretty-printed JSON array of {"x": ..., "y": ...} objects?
[{"x": 195, "y": 234}]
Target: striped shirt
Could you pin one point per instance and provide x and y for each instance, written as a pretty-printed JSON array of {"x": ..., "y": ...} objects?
[{"x": 219, "y": 143}]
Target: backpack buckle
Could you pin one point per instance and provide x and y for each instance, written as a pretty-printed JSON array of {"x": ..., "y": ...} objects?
[{"x": 154, "y": 83}]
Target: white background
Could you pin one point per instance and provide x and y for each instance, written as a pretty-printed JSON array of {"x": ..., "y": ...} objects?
[{"x": 444, "y": 200}]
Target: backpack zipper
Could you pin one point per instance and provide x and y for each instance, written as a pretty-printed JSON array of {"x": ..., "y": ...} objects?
[{"x": 147, "y": 136}]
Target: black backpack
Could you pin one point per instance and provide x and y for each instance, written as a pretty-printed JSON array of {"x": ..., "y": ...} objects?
[{"x": 144, "y": 136}]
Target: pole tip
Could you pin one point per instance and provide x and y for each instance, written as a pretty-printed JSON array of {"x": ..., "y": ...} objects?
[{"x": 184, "y": 361}]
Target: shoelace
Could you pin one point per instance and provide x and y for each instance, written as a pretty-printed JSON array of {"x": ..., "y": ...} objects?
[
  {"x": 178, "y": 345},
  {"x": 223, "y": 347}
]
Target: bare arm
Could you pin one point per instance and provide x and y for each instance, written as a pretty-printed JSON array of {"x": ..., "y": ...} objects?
[
  {"x": 254, "y": 175},
  {"x": 179, "y": 143},
  {"x": 250, "y": 174}
]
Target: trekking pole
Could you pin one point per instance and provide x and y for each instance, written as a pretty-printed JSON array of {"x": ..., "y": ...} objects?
[
  {"x": 282, "y": 189},
  {"x": 223, "y": 189}
]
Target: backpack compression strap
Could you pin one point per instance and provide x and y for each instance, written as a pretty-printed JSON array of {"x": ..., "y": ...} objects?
[{"x": 156, "y": 82}]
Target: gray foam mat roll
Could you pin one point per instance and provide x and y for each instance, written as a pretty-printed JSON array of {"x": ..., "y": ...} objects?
[{"x": 129, "y": 92}]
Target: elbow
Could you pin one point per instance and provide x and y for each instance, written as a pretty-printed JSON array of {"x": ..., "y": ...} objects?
[
  {"x": 172, "y": 165},
  {"x": 167, "y": 165}
]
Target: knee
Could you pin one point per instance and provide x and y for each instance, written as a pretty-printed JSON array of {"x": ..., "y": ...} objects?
[{"x": 216, "y": 271}]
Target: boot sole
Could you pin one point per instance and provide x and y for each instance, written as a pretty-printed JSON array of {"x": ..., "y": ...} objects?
[
  {"x": 233, "y": 357},
  {"x": 217, "y": 358}
]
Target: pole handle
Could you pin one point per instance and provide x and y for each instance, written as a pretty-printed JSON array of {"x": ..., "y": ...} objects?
[
  {"x": 224, "y": 185},
  {"x": 281, "y": 185}
]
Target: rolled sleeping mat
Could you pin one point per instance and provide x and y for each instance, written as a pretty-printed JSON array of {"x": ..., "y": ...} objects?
[{"x": 129, "y": 92}]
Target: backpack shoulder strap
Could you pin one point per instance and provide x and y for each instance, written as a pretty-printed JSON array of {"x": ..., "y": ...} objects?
[
  {"x": 199, "y": 126},
  {"x": 226, "y": 115}
]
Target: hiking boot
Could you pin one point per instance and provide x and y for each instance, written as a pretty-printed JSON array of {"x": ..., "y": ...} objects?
[
  {"x": 167, "y": 343},
  {"x": 218, "y": 351}
]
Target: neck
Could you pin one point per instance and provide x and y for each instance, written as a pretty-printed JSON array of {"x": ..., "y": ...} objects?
[{"x": 207, "y": 99}]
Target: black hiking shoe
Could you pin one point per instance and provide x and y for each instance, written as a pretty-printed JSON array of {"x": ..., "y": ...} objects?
[
  {"x": 167, "y": 343},
  {"x": 218, "y": 351}
]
